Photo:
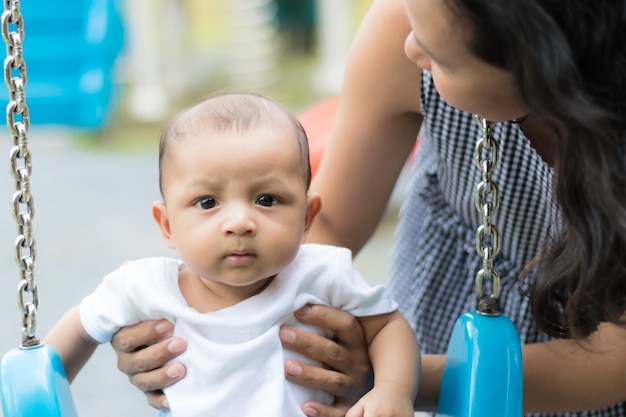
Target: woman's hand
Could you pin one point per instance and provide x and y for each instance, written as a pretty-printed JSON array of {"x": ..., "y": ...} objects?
[
  {"x": 145, "y": 348},
  {"x": 142, "y": 351},
  {"x": 349, "y": 372}
]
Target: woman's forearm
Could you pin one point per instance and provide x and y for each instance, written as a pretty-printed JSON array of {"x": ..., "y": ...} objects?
[
  {"x": 429, "y": 382},
  {"x": 559, "y": 376},
  {"x": 565, "y": 375}
]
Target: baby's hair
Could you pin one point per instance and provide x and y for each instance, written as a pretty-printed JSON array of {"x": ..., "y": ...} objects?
[{"x": 225, "y": 111}]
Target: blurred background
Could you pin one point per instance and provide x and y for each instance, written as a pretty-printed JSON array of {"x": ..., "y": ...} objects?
[
  {"x": 112, "y": 63},
  {"x": 103, "y": 76}
]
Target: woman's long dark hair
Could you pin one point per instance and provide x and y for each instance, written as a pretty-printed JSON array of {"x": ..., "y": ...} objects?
[{"x": 569, "y": 62}]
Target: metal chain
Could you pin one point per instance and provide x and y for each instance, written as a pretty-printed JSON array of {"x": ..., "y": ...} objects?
[
  {"x": 487, "y": 236},
  {"x": 18, "y": 123}
]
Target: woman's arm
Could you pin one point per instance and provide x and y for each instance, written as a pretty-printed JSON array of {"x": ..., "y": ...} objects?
[
  {"x": 565, "y": 375},
  {"x": 375, "y": 129},
  {"x": 430, "y": 382}
]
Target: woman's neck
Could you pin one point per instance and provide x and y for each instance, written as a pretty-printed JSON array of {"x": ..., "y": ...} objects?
[{"x": 542, "y": 138}]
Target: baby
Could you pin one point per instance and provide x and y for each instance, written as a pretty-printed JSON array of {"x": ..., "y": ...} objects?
[{"x": 234, "y": 175}]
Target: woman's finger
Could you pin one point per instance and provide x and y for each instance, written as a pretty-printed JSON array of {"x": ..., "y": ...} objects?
[
  {"x": 131, "y": 338},
  {"x": 347, "y": 370},
  {"x": 137, "y": 348},
  {"x": 142, "y": 357},
  {"x": 156, "y": 399},
  {"x": 336, "y": 383},
  {"x": 159, "y": 378},
  {"x": 316, "y": 347},
  {"x": 343, "y": 324},
  {"x": 321, "y": 410},
  {"x": 348, "y": 349}
]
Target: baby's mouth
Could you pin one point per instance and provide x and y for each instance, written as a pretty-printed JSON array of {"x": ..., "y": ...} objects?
[{"x": 240, "y": 258}]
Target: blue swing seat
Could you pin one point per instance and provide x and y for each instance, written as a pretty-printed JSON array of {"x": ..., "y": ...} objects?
[
  {"x": 483, "y": 372},
  {"x": 34, "y": 384}
]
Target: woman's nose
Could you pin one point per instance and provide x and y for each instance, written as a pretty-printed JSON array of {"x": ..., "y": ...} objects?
[{"x": 415, "y": 53}]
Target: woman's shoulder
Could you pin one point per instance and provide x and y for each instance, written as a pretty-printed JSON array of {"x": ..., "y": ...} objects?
[{"x": 377, "y": 61}]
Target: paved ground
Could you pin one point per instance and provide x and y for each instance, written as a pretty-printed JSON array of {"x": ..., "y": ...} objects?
[{"x": 93, "y": 213}]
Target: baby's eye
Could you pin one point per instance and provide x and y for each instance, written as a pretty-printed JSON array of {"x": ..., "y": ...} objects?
[
  {"x": 206, "y": 203},
  {"x": 266, "y": 200}
]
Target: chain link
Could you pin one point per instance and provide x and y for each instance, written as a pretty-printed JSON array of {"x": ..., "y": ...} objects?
[
  {"x": 18, "y": 123},
  {"x": 487, "y": 202}
]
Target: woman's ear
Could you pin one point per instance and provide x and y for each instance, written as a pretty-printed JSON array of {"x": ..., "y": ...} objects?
[
  {"x": 159, "y": 213},
  {"x": 313, "y": 206}
]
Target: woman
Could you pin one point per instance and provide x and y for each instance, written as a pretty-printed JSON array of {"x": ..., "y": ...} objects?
[{"x": 559, "y": 73}]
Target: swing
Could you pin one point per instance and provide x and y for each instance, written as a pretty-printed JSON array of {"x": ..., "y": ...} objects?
[
  {"x": 483, "y": 372},
  {"x": 33, "y": 382}
]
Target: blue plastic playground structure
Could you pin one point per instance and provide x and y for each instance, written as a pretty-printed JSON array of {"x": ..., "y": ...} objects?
[{"x": 70, "y": 49}]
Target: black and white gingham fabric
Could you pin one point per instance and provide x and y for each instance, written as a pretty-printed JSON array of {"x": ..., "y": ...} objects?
[{"x": 434, "y": 260}]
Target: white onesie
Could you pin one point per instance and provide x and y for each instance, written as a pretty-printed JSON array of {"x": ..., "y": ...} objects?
[{"x": 234, "y": 360}]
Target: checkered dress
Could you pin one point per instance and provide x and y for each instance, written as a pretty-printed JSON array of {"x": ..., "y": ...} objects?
[{"x": 434, "y": 260}]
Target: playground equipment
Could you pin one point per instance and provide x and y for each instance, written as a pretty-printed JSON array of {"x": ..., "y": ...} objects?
[{"x": 71, "y": 50}]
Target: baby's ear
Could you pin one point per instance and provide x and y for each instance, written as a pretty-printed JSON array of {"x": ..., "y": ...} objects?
[
  {"x": 159, "y": 213},
  {"x": 313, "y": 206}
]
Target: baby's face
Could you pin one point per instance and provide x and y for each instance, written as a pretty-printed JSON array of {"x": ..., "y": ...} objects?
[{"x": 236, "y": 203}]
